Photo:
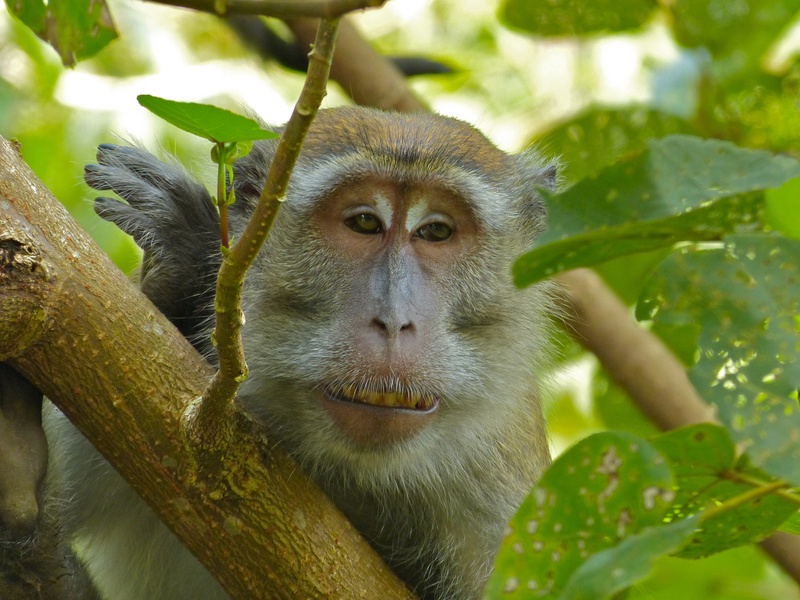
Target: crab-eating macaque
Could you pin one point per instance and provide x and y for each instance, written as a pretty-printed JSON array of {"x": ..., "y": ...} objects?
[{"x": 389, "y": 351}]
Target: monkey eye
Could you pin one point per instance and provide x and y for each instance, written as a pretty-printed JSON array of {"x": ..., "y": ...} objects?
[
  {"x": 435, "y": 232},
  {"x": 364, "y": 223}
]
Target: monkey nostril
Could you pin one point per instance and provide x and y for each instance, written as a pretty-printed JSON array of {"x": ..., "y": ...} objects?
[{"x": 391, "y": 327}]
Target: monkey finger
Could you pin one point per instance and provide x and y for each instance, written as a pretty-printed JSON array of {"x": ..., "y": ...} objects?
[
  {"x": 141, "y": 164},
  {"x": 179, "y": 186},
  {"x": 137, "y": 224}
]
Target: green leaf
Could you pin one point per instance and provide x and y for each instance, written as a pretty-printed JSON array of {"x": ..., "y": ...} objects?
[
  {"x": 602, "y": 136},
  {"x": 616, "y": 569},
  {"x": 215, "y": 124},
  {"x": 743, "y": 29},
  {"x": 792, "y": 524},
  {"x": 744, "y": 297},
  {"x": 703, "y": 458},
  {"x": 604, "y": 489},
  {"x": 77, "y": 29},
  {"x": 783, "y": 209},
  {"x": 680, "y": 189},
  {"x": 575, "y": 17},
  {"x": 698, "y": 453}
]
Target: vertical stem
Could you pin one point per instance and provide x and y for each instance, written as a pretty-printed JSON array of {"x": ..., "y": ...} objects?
[{"x": 210, "y": 416}]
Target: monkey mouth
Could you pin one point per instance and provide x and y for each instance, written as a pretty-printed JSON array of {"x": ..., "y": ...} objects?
[
  {"x": 383, "y": 398},
  {"x": 379, "y": 417}
]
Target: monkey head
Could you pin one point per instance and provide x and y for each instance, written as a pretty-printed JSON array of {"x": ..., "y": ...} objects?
[{"x": 381, "y": 313}]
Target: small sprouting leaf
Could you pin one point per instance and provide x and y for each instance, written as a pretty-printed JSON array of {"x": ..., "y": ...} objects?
[
  {"x": 210, "y": 122},
  {"x": 77, "y": 29},
  {"x": 680, "y": 189},
  {"x": 604, "y": 489}
]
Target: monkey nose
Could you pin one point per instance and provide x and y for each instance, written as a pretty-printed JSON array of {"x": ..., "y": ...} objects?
[{"x": 393, "y": 327}]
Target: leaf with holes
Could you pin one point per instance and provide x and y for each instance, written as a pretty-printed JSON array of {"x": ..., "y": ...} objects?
[
  {"x": 680, "y": 189},
  {"x": 602, "y": 136},
  {"x": 604, "y": 489},
  {"x": 611, "y": 571},
  {"x": 744, "y": 297},
  {"x": 703, "y": 459}
]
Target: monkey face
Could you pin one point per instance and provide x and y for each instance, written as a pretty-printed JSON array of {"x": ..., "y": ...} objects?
[{"x": 379, "y": 319}]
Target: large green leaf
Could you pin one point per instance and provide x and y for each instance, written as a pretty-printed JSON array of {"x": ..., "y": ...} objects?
[
  {"x": 783, "y": 209},
  {"x": 703, "y": 459},
  {"x": 611, "y": 571},
  {"x": 215, "y": 124},
  {"x": 604, "y": 489},
  {"x": 77, "y": 29},
  {"x": 601, "y": 137},
  {"x": 744, "y": 298},
  {"x": 680, "y": 189},
  {"x": 575, "y": 17}
]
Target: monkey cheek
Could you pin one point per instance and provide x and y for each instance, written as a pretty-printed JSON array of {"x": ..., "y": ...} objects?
[{"x": 377, "y": 426}]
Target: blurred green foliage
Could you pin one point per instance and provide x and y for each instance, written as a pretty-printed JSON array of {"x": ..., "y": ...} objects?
[{"x": 729, "y": 312}]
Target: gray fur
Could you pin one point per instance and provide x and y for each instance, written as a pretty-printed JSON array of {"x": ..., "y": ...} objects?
[{"x": 434, "y": 506}]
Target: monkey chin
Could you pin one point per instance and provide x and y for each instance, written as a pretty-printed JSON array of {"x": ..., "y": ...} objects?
[{"x": 378, "y": 419}]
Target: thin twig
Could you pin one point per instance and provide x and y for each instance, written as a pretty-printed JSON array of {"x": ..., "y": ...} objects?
[
  {"x": 324, "y": 9},
  {"x": 213, "y": 411}
]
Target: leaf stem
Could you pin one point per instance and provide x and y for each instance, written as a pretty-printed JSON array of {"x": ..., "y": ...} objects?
[
  {"x": 758, "y": 483},
  {"x": 742, "y": 499},
  {"x": 222, "y": 197}
]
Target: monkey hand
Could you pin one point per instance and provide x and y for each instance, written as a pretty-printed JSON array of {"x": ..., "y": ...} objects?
[{"x": 171, "y": 217}]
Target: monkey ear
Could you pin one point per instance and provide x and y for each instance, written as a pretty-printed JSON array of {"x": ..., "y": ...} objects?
[
  {"x": 536, "y": 175},
  {"x": 549, "y": 176}
]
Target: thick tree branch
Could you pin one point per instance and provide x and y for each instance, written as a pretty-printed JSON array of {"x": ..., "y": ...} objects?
[
  {"x": 650, "y": 374},
  {"x": 633, "y": 357},
  {"x": 80, "y": 331}
]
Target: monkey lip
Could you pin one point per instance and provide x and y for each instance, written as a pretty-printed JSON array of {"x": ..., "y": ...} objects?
[{"x": 379, "y": 417}]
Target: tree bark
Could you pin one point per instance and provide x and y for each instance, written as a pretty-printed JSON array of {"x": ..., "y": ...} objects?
[{"x": 75, "y": 327}]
